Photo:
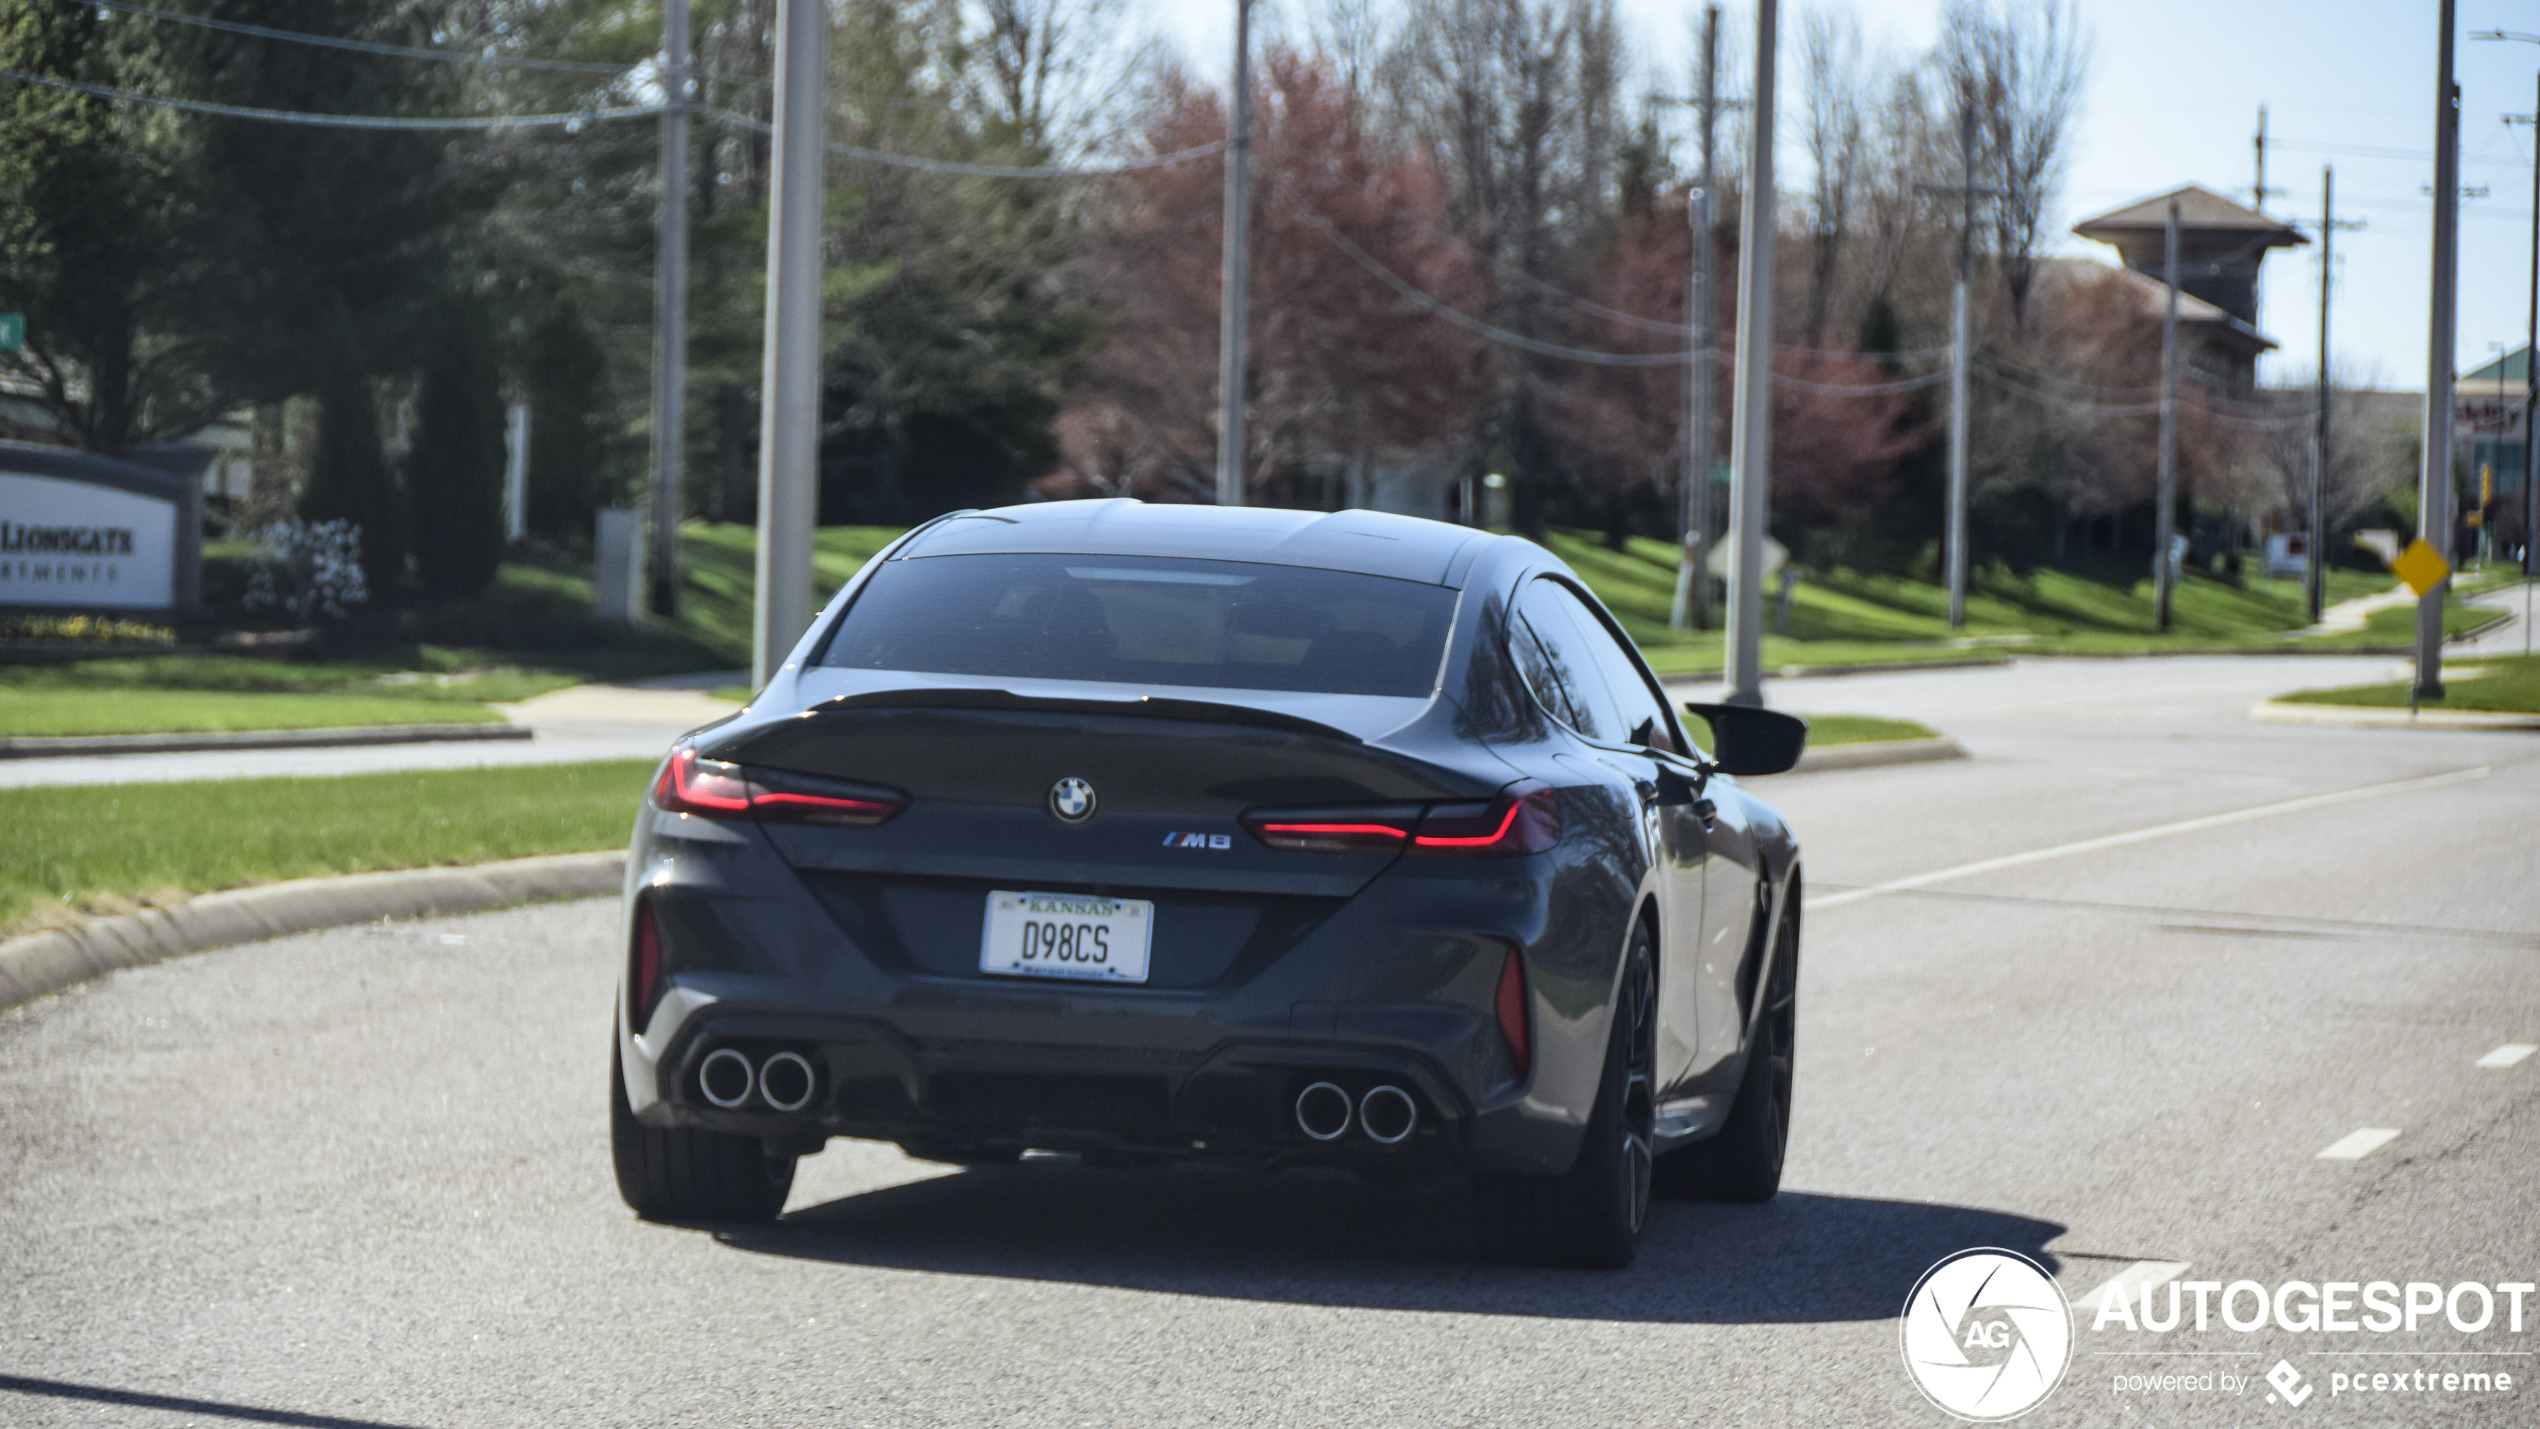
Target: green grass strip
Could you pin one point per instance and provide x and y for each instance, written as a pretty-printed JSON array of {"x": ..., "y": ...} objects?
[
  {"x": 147, "y": 711},
  {"x": 2508, "y": 685},
  {"x": 76, "y": 847}
]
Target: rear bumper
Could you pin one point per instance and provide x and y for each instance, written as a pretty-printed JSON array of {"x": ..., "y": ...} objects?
[
  {"x": 1392, "y": 987},
  {"x": 1234, "y": 1102}
]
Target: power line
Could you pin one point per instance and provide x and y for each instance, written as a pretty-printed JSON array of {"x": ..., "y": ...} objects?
[
  {"x": 986, "y": 171},
  {"x": 1494, "y": 333},
  {"x": 340, "y": 121},
  {"x": 415, "y": 52}
]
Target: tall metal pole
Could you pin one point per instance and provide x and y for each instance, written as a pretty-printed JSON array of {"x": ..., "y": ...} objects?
[
  {"x": 2165, "y": 497},
  {"x": 1693, "y": 585},
  {"x": 1751, "y": 429},
  {"x": 1236, "y": 291},
  {"x": 1961, "y": 368},
  {"x": 670, "y": 311},
  {"x": 789, "y": 414},
  {"x": 2531, "y": 387},
  {"x": 2320, "y": 450},
  {"x": 2434, "y": 477}
]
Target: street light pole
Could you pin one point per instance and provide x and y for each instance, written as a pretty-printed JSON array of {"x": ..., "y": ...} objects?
[
  {"x": 670, "y": 311},
  {"x": 1236, "y": 288},
  {"x": 1751, "y": 430},
  {"x": 2319, "y": 446},
  {"x": 1961, "y": 369},
  {"x": 2434, "y": 477},
  {"x": 2164, "y": 515},
  {"x": 789, "y": 412},
  {"x": 1694, "y": 529}
]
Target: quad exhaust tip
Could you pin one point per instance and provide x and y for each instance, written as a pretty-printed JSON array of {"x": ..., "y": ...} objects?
[
  {"x": 785, "y": 1080},
  {"x": 1387, "y": 1114},
  {"x": 725, "y": 1078},
  {"x": 1323, "y": 1112}
]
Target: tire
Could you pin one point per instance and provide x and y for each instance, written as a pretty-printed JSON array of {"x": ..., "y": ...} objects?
[
  {"x": 1743, "y": 1160},
  {"x": 683, "y": 1175},
  {"x": 1590, "y": 1216}
]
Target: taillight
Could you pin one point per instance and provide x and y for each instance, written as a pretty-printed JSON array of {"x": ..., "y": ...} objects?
[
  {"x": 1525, "y": 818},
  {"x": 717, "y": 790},
  {"x": 643, "y": 973},
  {"x": 1331, "y": 836},
  {"x": 1512, "y": 1010}
]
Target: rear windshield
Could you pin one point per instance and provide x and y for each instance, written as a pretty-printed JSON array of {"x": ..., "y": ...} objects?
[{"x": 1140, "y": 620}]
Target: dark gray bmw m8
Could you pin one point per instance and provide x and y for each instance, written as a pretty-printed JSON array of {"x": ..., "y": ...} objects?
[{"x": 1275, "y": 838}]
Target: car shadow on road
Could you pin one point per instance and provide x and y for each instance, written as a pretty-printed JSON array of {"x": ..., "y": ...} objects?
[{"x": 1324, "y": 1238}]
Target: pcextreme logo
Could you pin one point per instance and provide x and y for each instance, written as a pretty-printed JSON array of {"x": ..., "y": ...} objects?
[{"x": 1987, "y": 1335}]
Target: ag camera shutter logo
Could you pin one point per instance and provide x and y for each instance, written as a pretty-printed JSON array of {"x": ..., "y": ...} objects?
[{"x": 1987, "y": 1335}]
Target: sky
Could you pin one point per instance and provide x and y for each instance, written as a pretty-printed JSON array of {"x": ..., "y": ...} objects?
[{"x": 2173, "y": 98}]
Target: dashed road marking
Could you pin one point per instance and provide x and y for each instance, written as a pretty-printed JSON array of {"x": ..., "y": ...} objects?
[
  {"x": 2506, "y": 1055},
  {"x": 2358, "y": 1144},
  {"x": 2157, "y": 831},
  {"x": 2130, "y": 1283}
]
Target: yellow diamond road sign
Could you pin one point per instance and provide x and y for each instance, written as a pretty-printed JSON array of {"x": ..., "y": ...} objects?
[{"x": 2421, "y": 566}]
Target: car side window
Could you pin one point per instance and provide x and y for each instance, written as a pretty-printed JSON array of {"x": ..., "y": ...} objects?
[
  {"x": 1613, "y": 667},
  {"x": 1554, "y": 617}
]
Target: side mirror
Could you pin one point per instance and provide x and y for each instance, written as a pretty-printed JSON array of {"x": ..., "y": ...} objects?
[{"x": 1748, "y": 739}]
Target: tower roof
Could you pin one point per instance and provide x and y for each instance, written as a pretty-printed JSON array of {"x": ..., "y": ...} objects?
[{"x": 2199, "y": 208}]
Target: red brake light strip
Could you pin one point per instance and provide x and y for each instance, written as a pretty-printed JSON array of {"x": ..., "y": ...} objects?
[{"x": 1479, "y": 841}]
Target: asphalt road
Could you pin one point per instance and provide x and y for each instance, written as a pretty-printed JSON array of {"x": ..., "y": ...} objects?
[{"x": 361, "y": 1177}]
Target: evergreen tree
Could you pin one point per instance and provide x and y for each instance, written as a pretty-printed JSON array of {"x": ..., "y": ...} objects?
[
  {"x": 349, "y": 478},
  {"x": 454, "y": 475}
]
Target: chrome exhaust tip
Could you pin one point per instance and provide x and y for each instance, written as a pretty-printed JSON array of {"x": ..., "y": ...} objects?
[
  {"x": 725, "y": 1078},
  {"x": 1323, "y": 1111},
  {"x": 786, "y": 1081},
  {"x": 1387, "y": 1114}
]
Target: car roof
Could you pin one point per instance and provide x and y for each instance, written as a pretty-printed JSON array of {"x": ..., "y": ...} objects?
[{"x": 1375, "y": 543}]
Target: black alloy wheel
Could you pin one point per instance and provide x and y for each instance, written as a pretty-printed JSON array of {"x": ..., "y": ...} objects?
[
  {"x": 1590, "y": 1216},
  {"x": 1743, "y": 1160}
]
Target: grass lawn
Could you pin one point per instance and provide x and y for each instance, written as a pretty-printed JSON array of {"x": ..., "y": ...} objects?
[
  {"x": 2097, "y": 607},
  {"x": 104, "y": 847},
  {"x": 162, "y": 694},
  {"x": 1863, "y": 729},
  {"x": 2507, "y": 684}
]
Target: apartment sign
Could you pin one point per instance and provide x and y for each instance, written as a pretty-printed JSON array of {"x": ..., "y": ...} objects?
[{"x": 87, "y": 532}]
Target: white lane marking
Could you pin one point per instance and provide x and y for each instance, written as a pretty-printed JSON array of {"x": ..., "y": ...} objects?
[
  {"x": 2506, "y": 1055},
  {"x": 2359, "y": 1143},
  {"x": 2157, "y": 831},
  {"x": 2129, "y": 1283}
]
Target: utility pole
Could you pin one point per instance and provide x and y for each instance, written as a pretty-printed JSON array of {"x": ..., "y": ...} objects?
[
  {"x": 1751, "y": 428},
  {"x": 1236, "y": 287},
  {"x": 670, "y": 311},
  {"x": 1961, "y": 365},
  {"x": 2531, "y": 395},
  {"x": 2434, "y": 477},
  {"x": 1693, "y": 584},
  {"x": 789, "y": 414},
  {"x": 2164, "y": 517},
  {"x": 2321, "y": 448}
]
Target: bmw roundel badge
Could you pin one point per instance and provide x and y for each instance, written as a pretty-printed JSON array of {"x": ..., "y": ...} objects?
[{"x": 1072, "y": 801}]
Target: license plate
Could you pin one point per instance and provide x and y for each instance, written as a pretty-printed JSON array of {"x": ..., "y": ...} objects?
[{"x": 1066, "y": 935}]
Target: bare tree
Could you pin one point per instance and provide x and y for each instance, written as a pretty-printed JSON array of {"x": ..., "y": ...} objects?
[
  {"x": 1057, "y": 72},
  {"x": 1520, "y": 101},
  {"x": 1834, "y": 77},
  {"x": 2017, "y": 74}
]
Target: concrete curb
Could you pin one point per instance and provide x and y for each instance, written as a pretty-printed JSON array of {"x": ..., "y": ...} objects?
[
  {"x": 47, "y": 962},
  {"x": 1878, "y": 754},
  {"x": 2369, "y": 717},
  {"x": 77, "y": 746}
]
